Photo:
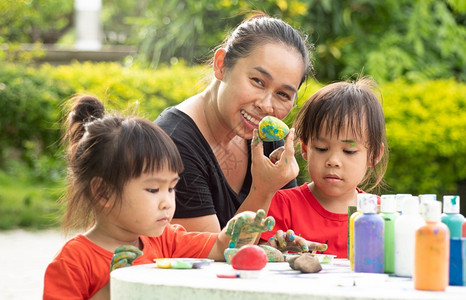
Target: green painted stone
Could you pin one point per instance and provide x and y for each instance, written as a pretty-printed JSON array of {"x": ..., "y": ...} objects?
[{"x": 272, "y": 129}]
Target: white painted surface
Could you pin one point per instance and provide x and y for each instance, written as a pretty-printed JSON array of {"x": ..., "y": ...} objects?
[{"x": 276, "y": 281}]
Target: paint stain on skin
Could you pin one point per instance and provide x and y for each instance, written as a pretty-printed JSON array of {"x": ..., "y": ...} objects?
[{"x": 256, "y": 139}]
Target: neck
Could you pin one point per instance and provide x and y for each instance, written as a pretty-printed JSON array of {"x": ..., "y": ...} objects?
[
  {"x": 110, "y": 239},
  {"x": 335, "y": 204},
  {"x": 216, "y": 129}
]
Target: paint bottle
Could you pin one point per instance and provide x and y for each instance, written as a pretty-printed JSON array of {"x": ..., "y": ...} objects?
[
  {"x": 351, "y": 210},
  {"x": 405, "y": 229},
  {"x": 423, "y": 198},
  {"x": 389, "y": 215},
  {"x": 368, "y": 238},
  {"x": 464, "y": 228},
  {"x": 451, "y": 215},
  {"x": 399, "y": 201},
  {"x": 351, "y": 229},
  {"x": 431, "y": 251}
]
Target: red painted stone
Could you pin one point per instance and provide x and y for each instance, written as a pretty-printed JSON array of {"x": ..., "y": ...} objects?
[{"x": 249, "y": 257}]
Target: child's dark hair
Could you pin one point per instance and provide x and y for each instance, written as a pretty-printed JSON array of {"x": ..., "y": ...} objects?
[
  {"x": 261, "y": 29},
  {"x": 104, "y": 153},
  {"x": 356, "y": 106}
]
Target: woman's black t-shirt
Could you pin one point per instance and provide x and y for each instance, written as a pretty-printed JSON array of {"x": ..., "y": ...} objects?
[{"x": 203, "y": 189}]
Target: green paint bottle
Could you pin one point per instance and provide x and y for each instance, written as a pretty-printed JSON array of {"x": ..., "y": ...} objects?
[{"x": 389, "y": 215}]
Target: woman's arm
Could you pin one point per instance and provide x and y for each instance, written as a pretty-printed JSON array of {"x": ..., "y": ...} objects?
[
  {"x": 207, "y": 223},
  {"x": 267, "y": 176}
]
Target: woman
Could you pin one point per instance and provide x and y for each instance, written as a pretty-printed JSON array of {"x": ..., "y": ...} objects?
[{"x": 257, "y": 72}]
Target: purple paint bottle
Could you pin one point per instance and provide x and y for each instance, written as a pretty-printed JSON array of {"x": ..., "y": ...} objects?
[{"x": 369, "y": 238}]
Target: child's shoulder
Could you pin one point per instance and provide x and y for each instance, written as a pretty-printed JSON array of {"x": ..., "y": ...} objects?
[{"x": 78, "y": 248}]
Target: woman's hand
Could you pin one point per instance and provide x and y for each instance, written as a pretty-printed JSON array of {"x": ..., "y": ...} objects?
[{"x": 271, "y": 174}]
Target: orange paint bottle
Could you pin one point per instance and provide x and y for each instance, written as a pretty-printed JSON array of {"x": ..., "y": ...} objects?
[{"x": 432, "y": 251}]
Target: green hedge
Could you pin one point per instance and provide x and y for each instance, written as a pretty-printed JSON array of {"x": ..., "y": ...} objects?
[{"x": 426, "y": 122}]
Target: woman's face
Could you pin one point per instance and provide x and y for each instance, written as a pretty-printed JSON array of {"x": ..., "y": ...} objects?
[{"x": 265, "y": 83}]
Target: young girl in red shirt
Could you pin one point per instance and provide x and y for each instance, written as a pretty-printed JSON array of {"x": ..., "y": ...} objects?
[{"x": 341, "y": 129}]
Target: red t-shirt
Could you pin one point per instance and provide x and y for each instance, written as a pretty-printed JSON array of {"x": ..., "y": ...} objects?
[
  {"x": 82, "y": 268},
  {"x": 298, "y": 209}
]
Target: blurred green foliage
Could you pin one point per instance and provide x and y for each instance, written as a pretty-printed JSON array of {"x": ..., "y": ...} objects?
[
  {"x": 414, "y": 39},
  {"x": 426, "y": 127}
]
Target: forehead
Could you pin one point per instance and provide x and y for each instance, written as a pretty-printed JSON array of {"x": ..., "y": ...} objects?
[
  {"x": 283, "y": 62},
  {"x": 348, "y": 129}
]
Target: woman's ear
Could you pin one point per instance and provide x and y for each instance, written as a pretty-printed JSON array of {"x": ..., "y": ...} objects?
[
  {"x": 379, "y": 157},
  {"x": 303, "y": 149},
  {"x": 219, "y": 66}
]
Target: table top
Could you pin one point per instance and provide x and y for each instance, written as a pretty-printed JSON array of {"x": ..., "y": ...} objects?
[{"x": 275, "y": 281}]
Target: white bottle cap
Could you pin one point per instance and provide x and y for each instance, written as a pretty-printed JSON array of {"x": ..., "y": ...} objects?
[
  {"x": 368, "y": 203},
  {"x": 432, "y": 211},
  {"x": 388, "y": 203},
  {"x": 410, "y": 205},
  {"x": 451, "y": 204},
  {"x": 400, "y": 199},
  {"x": 423, "y": 199},
  {"x": 427, "y": 197}
]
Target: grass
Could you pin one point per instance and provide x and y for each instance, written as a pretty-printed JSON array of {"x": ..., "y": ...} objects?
[{"x": 28, "y": 205}]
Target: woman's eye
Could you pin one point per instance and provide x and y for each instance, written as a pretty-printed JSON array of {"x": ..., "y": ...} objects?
[
  {"x": 320, "y": 149},
  {"x": 171, "y": 190},
  {"x": 284, "y": 95},
  {"x": 258, "y": 81},
  {"x": 153, "y": 191}
]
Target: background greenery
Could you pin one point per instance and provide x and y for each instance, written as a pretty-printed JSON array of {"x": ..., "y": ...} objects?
[{"x": 414, "y": 49}]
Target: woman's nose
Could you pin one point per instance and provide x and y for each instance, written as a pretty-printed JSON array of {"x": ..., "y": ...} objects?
[{"x": 265, "y": 103}]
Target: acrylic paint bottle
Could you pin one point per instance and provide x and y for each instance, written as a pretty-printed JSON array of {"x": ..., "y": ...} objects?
[
  {"x": 464, "y": 229},
  {"x": 424, "y": 198},
  {"x": 405, "y": 229},
  {"x": 451, "y": 215},
  {"x": 351, "y": 210},
  {"x": 399, "y": 201},
  {"x": 389, "y": 215},
  {"x": 351, "y": 229},
  {"x": 431, "y": 257},
  {"x": 369, "y": 238}
]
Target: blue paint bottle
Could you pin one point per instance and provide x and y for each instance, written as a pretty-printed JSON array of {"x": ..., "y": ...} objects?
[
  {"x": 451, "y": 215},
  {"x": 369, "y": 238},
  {"x": 454, "y": 220}
]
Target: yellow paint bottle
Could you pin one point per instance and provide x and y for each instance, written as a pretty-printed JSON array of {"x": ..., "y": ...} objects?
[{"x": 351, "y": 229}]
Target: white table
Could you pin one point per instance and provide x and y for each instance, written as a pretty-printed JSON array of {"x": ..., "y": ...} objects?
[{"x": 276, "y": 281}]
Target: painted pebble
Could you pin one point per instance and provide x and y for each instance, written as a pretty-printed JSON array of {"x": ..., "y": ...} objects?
[
  {"x": 249, "y": 257},
  {"x": 272, "y": 129}
]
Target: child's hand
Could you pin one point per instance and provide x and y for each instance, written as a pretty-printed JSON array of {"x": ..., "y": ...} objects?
[
  {"x": 124, "y": 257},
  {"x": 290, "y": 242},
  {"x": 245, "y": 227}
]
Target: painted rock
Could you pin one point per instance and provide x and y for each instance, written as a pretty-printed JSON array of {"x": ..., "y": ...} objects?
[
  {"x": 249, "y": 257},
  {"x": 272, "y": 129}
]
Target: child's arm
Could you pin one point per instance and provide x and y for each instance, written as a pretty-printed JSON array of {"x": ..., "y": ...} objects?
[{"x": 290, "y": 242}]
